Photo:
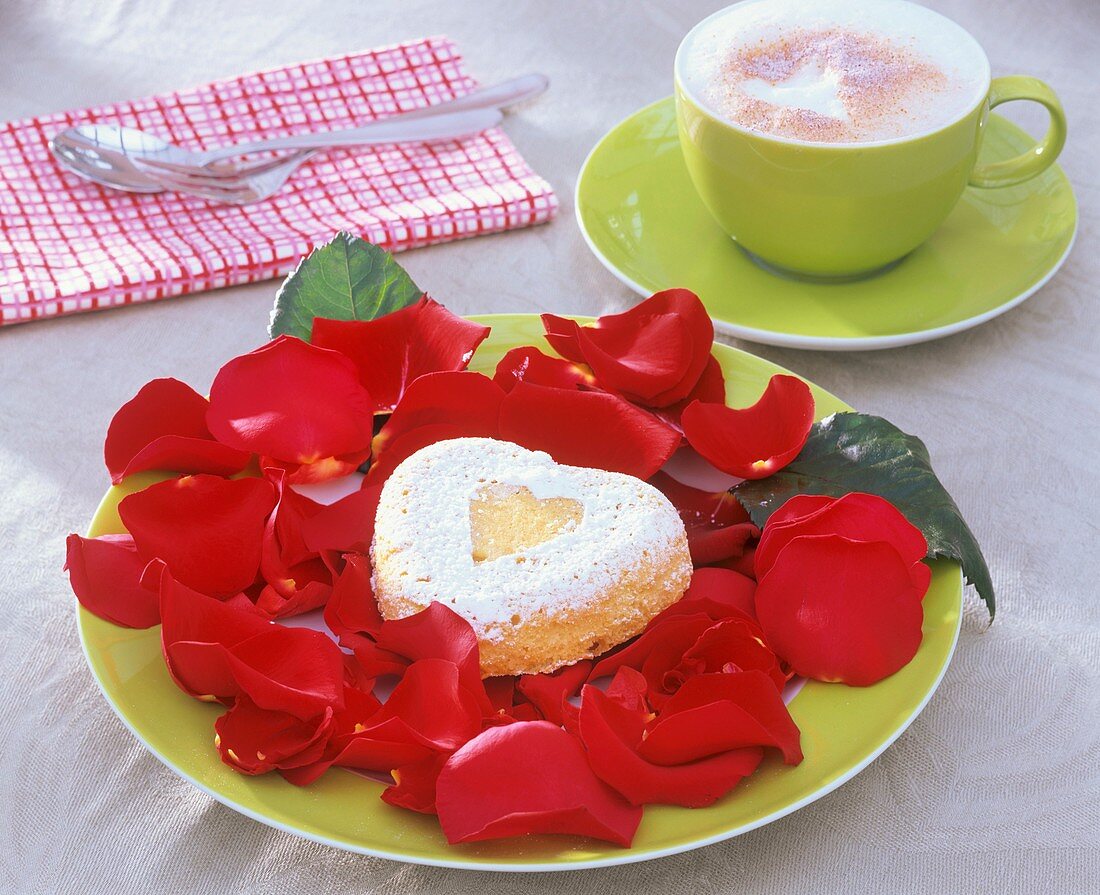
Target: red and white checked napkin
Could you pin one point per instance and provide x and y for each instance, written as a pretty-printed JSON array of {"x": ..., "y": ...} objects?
[{"x": 67, "y": 245}]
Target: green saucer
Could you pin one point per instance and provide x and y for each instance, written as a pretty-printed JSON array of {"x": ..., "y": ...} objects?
[{"x": 640, "y": 215}]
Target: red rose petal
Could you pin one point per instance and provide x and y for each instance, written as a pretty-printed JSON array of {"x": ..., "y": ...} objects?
[
  {"x": 592, "y": 429},
  {"x": 346, "y": 526},
  {"x": 430, "y": 711},
  {"x": 734, "y": 639},
  {"x": 372, "y": 660},
  {"x": 799, "y": 506},
  {"x": 528, "y": 364},
  {"x": 713, "y": 713},
  {"x": 161, "y": 407},
  {"x": 386, "y": 746},
  {"x": 293, "y": 670},
  {"x": 711, "y": 389},
  {"x": 464, "y": 398},
  {"x": 718, "y": 528},
  {"x": 653, "y": 353},
  {"x": 164, "y": 427},
  {"x": 433, "y": 633},
  {"x": 321, "y": 470},
  {"x": 549, "y": 691},
  {"x": 667, "y": 638},
  {"x": 522, "y": 712},
  {"x": 355, "y": 677},
  {"x": 687, "y": 306},
  {"x": 292, "y": 513},
  {"x": 710, "y": 545},
  {"x": 414, "y": 785},
  {"x": 720, "y": 593},
  {"x": 841, "y": 610},
  {"x": 561, "y": 334},
  {"x": 508, "y": 703},
  {"x": 921, "y": 576},
  {"x": 755, "y": 441},
  {"x": 743, "y": 564},
  {"x": 353, "y": 608},
  {"x": 176, "y": 453},
  {"x": 731, "y": 644},
  {"x": 529, "y": 777},
  {"x": 629, "y": 688},
  {"x": 297, "y": 578},
  {"x": 710, "y": 629},
  {"x": 358, "y": 706},
  {"x": 392, "y": 351},
  {"x": 711, "y": 386},
  {"x": 436, "y": 407},
  {"x": 105, "y": 575},
  {"x": 254, "y": 740},
  {"x": 501, "y": 692},
  {"x": 657, "y": 651},
  {"x": 438, "y": 633},
  {"x": 612, "y": 733},
  {"x": 352, "y": 615},
  {"x": 196, "y": 631},
  {"x": 298, "y": 405},
  {"x": 698, "y": 507},
  {"x": 640, "y": 360},
  {"x": 208, "y": 530},
  {"x": 858, "y": 516},
  {"x": 306, "y": 587}
]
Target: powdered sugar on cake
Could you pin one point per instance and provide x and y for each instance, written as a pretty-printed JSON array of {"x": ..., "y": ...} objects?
[
  {"x": 423, "y": 527},
  {"x": 834, "y": 72}
]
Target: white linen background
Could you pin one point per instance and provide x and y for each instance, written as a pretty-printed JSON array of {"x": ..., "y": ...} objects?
[{"x": 995, "y": 788}]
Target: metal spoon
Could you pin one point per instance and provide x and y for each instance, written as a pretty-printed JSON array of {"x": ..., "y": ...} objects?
[
  {"x": 250, "y": 183},
  {"x": 124, "y": 157}
]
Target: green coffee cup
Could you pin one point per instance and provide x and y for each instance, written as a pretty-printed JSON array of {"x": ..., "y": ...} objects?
[{"x": 840, "y": 211}]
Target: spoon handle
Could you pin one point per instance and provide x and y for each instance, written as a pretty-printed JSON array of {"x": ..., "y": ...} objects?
[
  {"x": 506, "y": 93},
  {"x": 472, "y": 113}
]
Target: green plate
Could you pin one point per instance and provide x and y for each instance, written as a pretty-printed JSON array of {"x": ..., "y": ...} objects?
[
  {"x": 843, "y": 728},
  {"x": 640, "y": 215}
]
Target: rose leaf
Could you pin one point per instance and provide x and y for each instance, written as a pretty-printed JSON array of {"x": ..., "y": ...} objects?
[{"x": 858, "y": 452}]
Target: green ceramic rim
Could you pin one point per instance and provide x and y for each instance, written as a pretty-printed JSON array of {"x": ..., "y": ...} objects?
[
  {"x": 640, "y": 216},
  {"x": 843, "y": 728}
]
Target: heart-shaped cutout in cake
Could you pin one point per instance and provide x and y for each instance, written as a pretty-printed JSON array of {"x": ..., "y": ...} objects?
[
  {"x": 550, "y": 564},
  {"x": 506, "y": 519}
]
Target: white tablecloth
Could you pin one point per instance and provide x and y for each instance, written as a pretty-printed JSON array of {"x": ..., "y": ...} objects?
[{"x": 996, "y": 788}]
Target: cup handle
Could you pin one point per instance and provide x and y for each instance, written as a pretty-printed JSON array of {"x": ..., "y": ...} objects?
[{"x": 1043, "y": 154}]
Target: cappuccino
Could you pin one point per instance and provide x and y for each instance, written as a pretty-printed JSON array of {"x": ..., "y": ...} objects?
[{"x": 834, "y": 71}]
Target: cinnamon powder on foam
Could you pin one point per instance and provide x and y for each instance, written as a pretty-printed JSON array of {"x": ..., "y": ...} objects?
[{"x": 880, "y": 85}]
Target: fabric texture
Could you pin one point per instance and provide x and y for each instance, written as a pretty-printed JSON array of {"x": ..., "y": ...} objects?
[
  {"x": 69, "y": 245},
  {"x": 996, "y": 786}
]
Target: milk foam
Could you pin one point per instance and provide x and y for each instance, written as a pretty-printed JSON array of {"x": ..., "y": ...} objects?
[{"x": 833, "y": 71}]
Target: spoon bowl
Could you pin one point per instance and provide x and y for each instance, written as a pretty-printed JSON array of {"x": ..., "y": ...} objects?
[{"x": 93, "y": 161}]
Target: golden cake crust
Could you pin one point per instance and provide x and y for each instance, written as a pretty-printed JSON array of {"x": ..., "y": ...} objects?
[{"x": 550, "y": 564}]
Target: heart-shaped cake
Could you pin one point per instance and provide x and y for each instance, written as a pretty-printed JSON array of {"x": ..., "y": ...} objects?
[{"x": 550, "y": 564}]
